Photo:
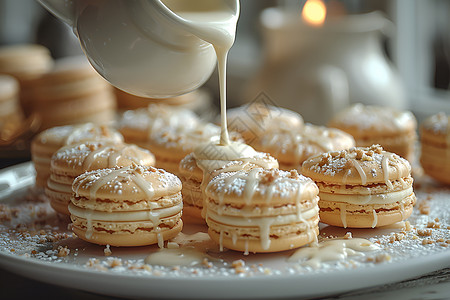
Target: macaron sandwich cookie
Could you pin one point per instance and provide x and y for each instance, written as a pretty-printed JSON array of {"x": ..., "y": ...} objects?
[
  {"x": 126, "y": 206},
  {"x": 73, "y": 160},
  {"x": 262, "y": 210},
  {"x": 196, "y": 172},
  {"x": 292, "y": 147},
  {"x": 363, "y": 187},
  {"x": 393, "y": 129},
  {"x": 435, "y": 152},
  {"x": 46, "y": 143}
]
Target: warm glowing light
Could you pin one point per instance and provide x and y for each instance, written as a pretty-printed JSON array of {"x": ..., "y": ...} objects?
[{"x": 314, "y": 12}]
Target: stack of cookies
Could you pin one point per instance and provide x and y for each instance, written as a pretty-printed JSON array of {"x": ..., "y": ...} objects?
[
  {"x": 363, "y": 187},
  {"x": 25, "y": 62},
  {"x": 283, "y": 134},
  {"x": 46, "y": 143},
  {"x": 126, "y": 206},
  {"x": 170, "y": 133},
  {"x": 393, "y": 129},
  {"x": 11, "y": 115},
  {"x": 70, "y": 93},
  {"x": 260, "y": 210},
  {"x": 71, "y": 161},
  {"x": 197, "y": 169},
  {"x": 435, "y": 154}
]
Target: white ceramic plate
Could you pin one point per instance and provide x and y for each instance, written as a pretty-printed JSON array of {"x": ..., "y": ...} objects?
[{"x": 29, "y": 254}]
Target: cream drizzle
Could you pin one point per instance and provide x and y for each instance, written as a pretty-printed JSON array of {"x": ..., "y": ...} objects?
[
  {"x": 375, "y": 219},
  {"x": 385, "y": 168},
  {"x": 360, "y": 170},
  {"x": 332, "y": 250},
  {"x": 343, "y": 210}
]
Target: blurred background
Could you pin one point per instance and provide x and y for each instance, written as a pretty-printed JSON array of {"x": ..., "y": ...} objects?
[{"x": 315, "y": 58}]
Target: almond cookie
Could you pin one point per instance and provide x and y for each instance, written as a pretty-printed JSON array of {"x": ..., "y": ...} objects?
[
  {"x": 393, "y": 129},
  {"x": 207, "y": 161},
  {"x": 362, "y": 187},
  {"x": 49, "y": 141},
  {"x": 126, "y": 206},
  {"x": 254, "y": 120},
  {"x": 435, "y": 143},
  {"x": 70, "y": 93},
  {"x": 71, "y": 161},
  {"x": 169, "y": 133},
  {"x": 291, "y": 148},
  {"x": 262, "y": 210}
]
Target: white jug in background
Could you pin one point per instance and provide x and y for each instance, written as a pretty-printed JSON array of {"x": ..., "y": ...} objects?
[
  {"x": 319, "y": 71},
  {"x": 142, "y": 46}
]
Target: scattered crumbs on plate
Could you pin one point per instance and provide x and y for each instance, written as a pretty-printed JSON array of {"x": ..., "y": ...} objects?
[{"x": 29, "y": 228}]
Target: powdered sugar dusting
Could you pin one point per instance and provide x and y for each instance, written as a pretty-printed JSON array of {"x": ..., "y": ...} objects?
[
  {"x": 438, "y": 123},
  {"x": 377, "y": 117},
  {"x": 281, "y": 184}
]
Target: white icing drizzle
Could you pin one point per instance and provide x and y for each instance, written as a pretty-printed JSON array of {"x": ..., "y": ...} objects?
[
  {"x": 77, "y": 132},
  {"x": 159, "y": 236},
  {"x": 385, "y": 168},
  {"x": 234, "y": 238},
  {"x": 221, "y": 241},
  {"x": 246, "y": 247},
  {"x": 402, "y": 210},
  {"x": 90, "y": 158},
  {"x": 343, "y": 209},
  {"x": 361, "y": 172},
  {"x": 89, "y": 229},
  {"x": 375, "y": 218},
  {"x": 332, "y": 250}
]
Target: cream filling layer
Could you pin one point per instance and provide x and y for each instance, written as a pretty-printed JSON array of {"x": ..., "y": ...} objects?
[
  {"x": 126, "y": 216},
  {"x": 385, "y": 198},
  {"x": 59, "y": 187}
]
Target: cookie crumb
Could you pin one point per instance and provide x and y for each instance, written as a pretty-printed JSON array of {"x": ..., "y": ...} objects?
[
  {"x": 107, "y": 250},
  {"x": 424, "y": 208},
  {"x": 116, "y": 262},
  {"x": 427, "y": 241},
  {"x": 407, "y": 226},
  {"x": 207, "y": 263},
  {"x": 424, "y": 232},
  {"x": 433, "y": 225},
  {"x": 63, "y": 251},
  {"x": 239, "y": 266},
  {"x": 348, "y": 235}
]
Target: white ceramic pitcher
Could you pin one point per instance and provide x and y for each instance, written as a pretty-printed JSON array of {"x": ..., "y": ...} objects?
[
  {"x": 317, "y": 71},
  {"x": 142, "y": 46}
]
